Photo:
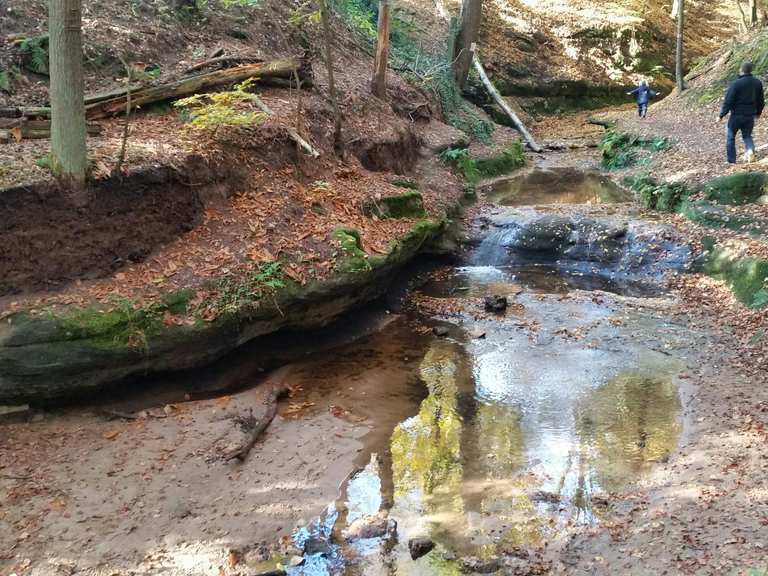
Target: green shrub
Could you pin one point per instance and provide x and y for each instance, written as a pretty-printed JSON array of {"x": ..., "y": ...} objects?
[
  {"x": 619, "y": 149},
  {"x": 212, "y": 111},
  {"x": 664, "y": 197}
]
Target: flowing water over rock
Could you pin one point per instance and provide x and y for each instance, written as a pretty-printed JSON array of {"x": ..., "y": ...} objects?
[{"x": 532, "y": 418}]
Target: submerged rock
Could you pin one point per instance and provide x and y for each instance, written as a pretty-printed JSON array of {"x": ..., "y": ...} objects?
[
  {"x": 481, "y": 565},
  {"x": 496, "y": 303},
  {"x": 419, "y": 547},
  {"x": 372, "y": 526}
]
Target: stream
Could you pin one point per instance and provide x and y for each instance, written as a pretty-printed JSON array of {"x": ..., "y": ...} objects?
[{"x": 493, "y": 433}]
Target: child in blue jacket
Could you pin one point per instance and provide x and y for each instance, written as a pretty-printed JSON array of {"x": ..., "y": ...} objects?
[{"x": 643, "y": 94}]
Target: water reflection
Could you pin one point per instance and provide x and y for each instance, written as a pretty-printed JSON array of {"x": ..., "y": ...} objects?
[
  {"x": 511, "y": 446},
  {"x": 481, "y": 281},
  {"x": 557, "y": 186}
]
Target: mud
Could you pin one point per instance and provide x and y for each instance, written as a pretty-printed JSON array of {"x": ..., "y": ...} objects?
[{"x": 49, "y": 237}]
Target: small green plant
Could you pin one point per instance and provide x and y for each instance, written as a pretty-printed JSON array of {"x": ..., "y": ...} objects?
[
  {"x": 663, "y": 197},
  {"x": 34, "y": 50},
  {"x": 619, "y": 149},
  {"x": 212, "y": 111},
  {"x": 243, "y": 292},
  {"x": 461, "y": 159}
]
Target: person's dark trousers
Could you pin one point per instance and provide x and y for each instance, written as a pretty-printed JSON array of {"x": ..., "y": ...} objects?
[
  {"x": 736, "y": 124},
  {"x": 642, "y": 109}
]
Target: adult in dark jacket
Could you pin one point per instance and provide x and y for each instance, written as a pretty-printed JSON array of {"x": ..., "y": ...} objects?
[
  {"x": 643, "y": 95},
  {"x": 744, "y": 101}
]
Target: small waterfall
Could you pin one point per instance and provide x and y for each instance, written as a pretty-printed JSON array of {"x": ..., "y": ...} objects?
[{"x": 493, "y": 250}]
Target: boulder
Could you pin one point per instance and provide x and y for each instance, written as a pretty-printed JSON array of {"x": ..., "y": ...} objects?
[{"x": 419, "y": 547}]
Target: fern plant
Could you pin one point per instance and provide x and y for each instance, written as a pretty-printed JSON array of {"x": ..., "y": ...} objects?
[{"x": 34, "y": 49}]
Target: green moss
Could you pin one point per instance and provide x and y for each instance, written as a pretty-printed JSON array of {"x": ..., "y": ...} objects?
[
  {"x": 512, "y": 158},
  {"x": 408, "y": 205},
  {"x": 653, "y": 195},
  {"x": 475, "y": 169},
  {"x": 737, "y": 189},
  {"x": 119, "y": 323},
  {"x": 714, "y": 216},
  {"x": 408, "y": 183},
  {"x": 351, "y": 257},
  {"x": 747, "y": 277}
]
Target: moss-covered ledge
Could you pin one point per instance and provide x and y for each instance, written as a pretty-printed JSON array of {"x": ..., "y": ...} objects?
[
  {"x": 746, "y": 276},
  {"x": 53, "y": 354}
]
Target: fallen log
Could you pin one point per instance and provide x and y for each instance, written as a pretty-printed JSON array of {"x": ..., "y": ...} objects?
[
  {"x": 25, "y": 112},
  {"x": 25, "y": 132},
  {"x": 8, "y": 123},
  {"x": 291, "y": 131},
  {"x": 192, "y": 85},
  {"x": 505, "y": 106},
  {"x": 255, "y": 428},
  {"x": 231, "y": 59},
  {"x": 601, "y": 122}
]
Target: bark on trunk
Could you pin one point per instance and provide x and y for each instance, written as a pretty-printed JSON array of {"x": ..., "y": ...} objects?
[
  {"x": 471, "y": 18},
  {"x": 379, "y": 84},
  {"x": 68, "y": 148},
  {"x": 679, "y": 55},
  {"x": 505, "y": 106}
]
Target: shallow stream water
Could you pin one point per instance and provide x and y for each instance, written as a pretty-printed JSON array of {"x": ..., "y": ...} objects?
[{"x": 510, "y": 429}]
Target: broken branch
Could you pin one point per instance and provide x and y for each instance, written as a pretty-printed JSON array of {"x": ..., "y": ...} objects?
[{"x": 256, "y": 427}]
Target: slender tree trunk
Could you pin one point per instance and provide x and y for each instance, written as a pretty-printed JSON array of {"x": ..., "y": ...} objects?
[
  {"x": 471, "y": 18},
  {"x": 753, "y": 16},
  {"x": 338, "y": 144},
  {"x": 68, "y": 150},
  {"x": 679, "y": 55},
  {"x": 744, "y": 25},
  {"x": 379, "y": 84}
]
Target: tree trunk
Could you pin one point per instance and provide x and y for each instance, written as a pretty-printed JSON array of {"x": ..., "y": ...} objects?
[
  {"x": 753, "y": 16},
  {"x": 744, "y": 25},
  {"x": 68, "y": 150},
  {"x": 471, "y": 18},
  {"x": 379, "y": 84},
  {"x": 679, "y": 75},
  {"x": 338, "y": 144},
  {"x": 505, "y": 106}
]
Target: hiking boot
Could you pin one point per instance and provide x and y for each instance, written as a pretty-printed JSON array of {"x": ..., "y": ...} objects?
[{"x": 750, "y": 156}]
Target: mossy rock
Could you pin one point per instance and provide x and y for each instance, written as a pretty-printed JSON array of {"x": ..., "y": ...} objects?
[
  {"x": 737, "y": 189},
  {"x": 352, "y": 257},
  {"x": 747, "y": 277},
  {"x": 408, "y": 205},
  {"x": 715, "y": 216},
  {"x": 511, "y": 158}
]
